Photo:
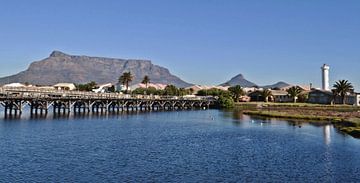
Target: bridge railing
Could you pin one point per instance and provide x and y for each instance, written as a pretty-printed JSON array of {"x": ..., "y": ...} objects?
[{"x": 60, "y": 94}]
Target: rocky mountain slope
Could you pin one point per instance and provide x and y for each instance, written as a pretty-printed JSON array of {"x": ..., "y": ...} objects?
[
  {"x": 239, "y": 80},
  {"x": 61, "y": 67},
  {"x": 280, "y": 84}
]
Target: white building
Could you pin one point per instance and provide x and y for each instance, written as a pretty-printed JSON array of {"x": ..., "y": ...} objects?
[
  {"x": 65, "y": 86},
  {"x": 103, "y": 88},
  {"x": 325, "y": 77},
  {"x": 14, "y": 85},
  {"x": 357, "y": 99}
]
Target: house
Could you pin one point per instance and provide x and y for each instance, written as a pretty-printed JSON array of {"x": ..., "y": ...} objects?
[
  {"x": 256, "y": 96},
  {"x": 277, "y": 96},
  {"x": 251, "y": 89},
  {"x": 244, "y": 98},
  {"x": 104, "y": 88},
  {"x": 65, "y": 86},
  {"x": 357, "y": 99},
  {"x": 281, "y": 96},
  {"x": 318, "y": 96}
]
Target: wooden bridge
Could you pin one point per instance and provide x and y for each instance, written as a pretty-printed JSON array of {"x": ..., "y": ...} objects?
[{"x": 40, "y": 102}]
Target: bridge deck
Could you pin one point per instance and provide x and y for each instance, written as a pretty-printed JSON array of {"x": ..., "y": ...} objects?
[{"x": 15, "y": 99}]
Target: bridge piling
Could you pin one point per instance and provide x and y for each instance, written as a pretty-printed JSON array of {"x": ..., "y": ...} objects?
[{"x": 64, "y": 102}]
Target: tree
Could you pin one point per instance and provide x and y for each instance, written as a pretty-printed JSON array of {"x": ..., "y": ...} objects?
[
  {"x": 343, "y": 87},
  {"x": 226, "y": 102},
  {"x": 213, "y": 92},
  {"x": 266, "y": 94},
  {"x": 125, "y": 79},
  {"x": 86, "y": 87},
  {"x": 146, "y": 81},
  {"x": 171, "y": 90},
  {"x": 335, "y": 94},
  {"x": 294, "y": 92},
  {"x": 236, "y": 92}
]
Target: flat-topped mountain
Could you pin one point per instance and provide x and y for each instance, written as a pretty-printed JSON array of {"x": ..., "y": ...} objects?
[
  {"x": 239, "y": 80},
  {"x": 62, "y": 67}
]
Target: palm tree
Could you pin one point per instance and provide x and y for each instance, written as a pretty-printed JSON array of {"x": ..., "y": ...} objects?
[
  {"x": 294, "y": 92},
  {"x": 236, "y": 92},
  {"x": 335, "y": 94},
  {"x": 125, "y": 79},
  {"x": 343, "y": 87},
  {"x": 266, "y": 94},
  {"x": 146, "y": 81}
]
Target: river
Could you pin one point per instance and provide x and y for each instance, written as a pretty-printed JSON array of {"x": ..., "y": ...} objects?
[{"x": 178, "y": 146}]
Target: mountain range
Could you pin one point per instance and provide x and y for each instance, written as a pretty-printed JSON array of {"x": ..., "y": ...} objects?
[
  {"x": 61, "y": 67},
  {"x": 240, "y": 80}
]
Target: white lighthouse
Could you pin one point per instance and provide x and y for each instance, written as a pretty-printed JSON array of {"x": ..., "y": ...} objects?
[{"x": 325, "y": 77}]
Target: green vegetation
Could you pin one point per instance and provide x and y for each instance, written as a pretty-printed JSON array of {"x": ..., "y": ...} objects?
[
  {"x": 266, "y": 94},
  {"x": 169, "y": 90},
  {"x": 213, "y": 92},
  {"x": 342, "y": 88},
  {"x": 225, "y": 98},
  {"x": 147, "y": 91},
  {"x": 226, "y": 102},
  {"x": 278, "y": 114},
  {"x": 86, "y": 87},
  {"x": 294, "y": 92},
  {"x": 125, "y": 79},
  {"x": 146, "y": 81},
  {"x": 236, "y": 92},
  {"x": 344, "y": 117}
]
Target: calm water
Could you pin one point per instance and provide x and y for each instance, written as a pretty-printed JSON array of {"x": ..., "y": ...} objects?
[{"x": 188, "y": 146}]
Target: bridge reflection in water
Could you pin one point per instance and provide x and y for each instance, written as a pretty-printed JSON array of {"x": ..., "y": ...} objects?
[{"x": 41, "y": 102}]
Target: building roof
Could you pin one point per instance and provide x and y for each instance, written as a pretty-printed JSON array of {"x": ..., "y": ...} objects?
[
  {"x": 279, "y": 92},
  {"x": 69, "y": 85},
  {"x": 14, "y": 85},
  {"x": 321, "y": 91}
]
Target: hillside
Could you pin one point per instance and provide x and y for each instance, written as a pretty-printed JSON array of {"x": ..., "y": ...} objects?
[
  {"x": 62, "y": 67},
  {"x": 239, "y": 80}
]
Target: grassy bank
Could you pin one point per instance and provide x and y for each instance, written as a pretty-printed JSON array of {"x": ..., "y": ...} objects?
[{"x": 344, "y": 118}]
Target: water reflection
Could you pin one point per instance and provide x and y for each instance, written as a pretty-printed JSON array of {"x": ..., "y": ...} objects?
[
  {"x": 239, "y": 118},
  {"x": 174, "y": 147},
  {"x": 327, "y": 134}
]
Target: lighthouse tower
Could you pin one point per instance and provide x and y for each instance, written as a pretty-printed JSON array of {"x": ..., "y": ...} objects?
[{"x": 325, "y": 77}]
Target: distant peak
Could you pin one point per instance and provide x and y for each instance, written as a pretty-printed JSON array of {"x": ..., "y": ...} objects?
[
  {"x": 57, "y": 54},
  {"x": 239, "y": 76}
]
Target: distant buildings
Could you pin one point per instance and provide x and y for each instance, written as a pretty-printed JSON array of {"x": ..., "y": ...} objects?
[
  {"x": 277, "y": 96},
  {"x": 103, "y": 88},
  {"x": 14, "y": 85},
  {"x": 157, "y": 86},
  {"x": 65, "y": 86},
  {"x": 197, "y": 88},
  {"x": 327, "y": 97},
  {"x": 322, "y": 97}
]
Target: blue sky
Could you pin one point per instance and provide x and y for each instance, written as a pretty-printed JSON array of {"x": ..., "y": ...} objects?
[{"x": 204, "y": 42}]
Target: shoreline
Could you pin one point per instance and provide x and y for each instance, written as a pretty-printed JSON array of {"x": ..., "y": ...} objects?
[{"x": 340, "y": 116}]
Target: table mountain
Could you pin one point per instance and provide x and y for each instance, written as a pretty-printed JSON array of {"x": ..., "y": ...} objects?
[
  {"x": 239, "y": 80},
  {"x": 61, "y": 67}
]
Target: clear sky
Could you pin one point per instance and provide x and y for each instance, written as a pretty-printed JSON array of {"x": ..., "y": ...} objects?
[{"x": 201, "y": 41}]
